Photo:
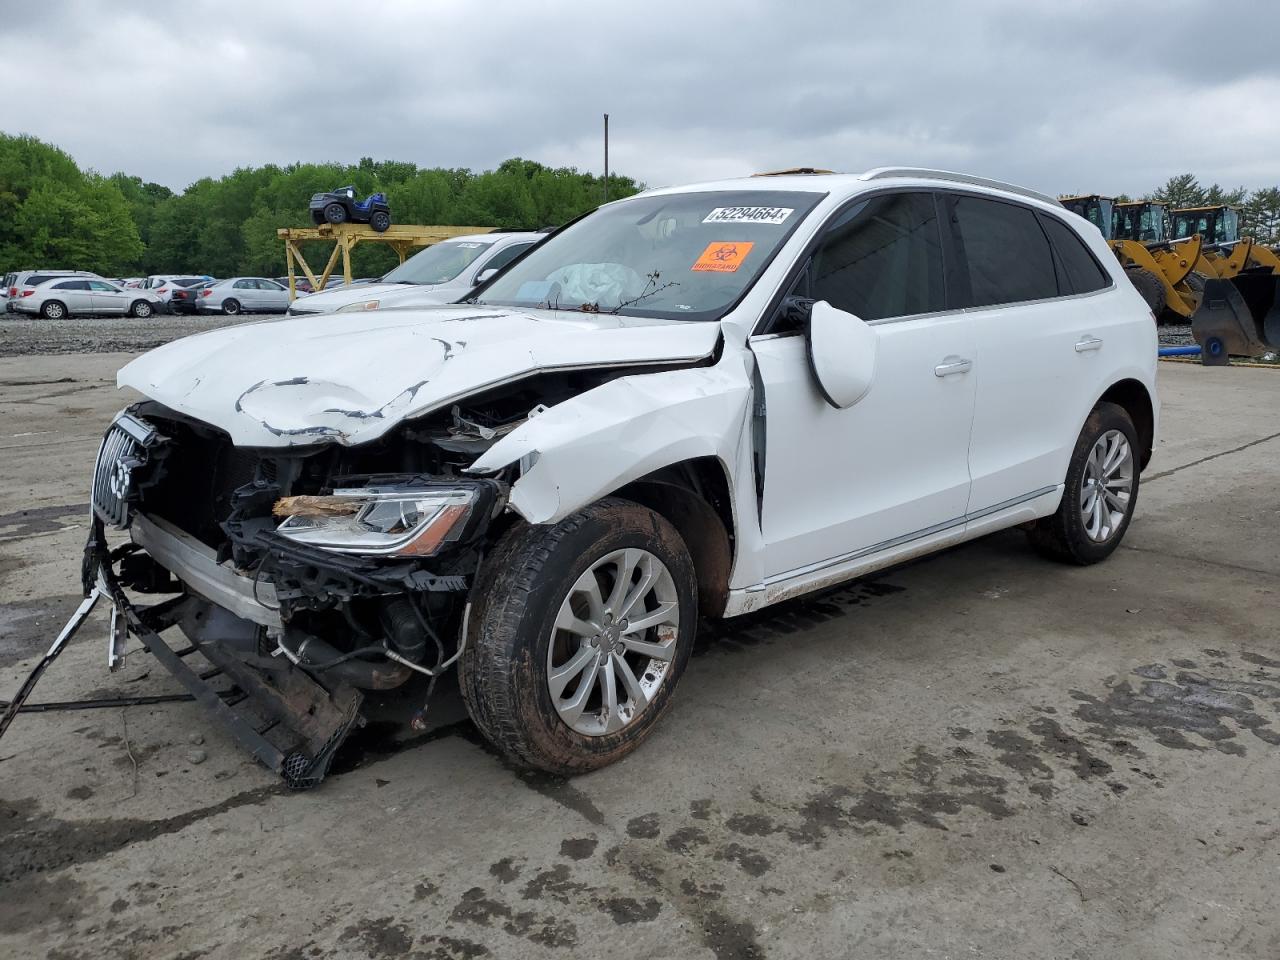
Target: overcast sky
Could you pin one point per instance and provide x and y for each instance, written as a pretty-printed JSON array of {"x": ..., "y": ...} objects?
[{"x": 1076, "y": 96}]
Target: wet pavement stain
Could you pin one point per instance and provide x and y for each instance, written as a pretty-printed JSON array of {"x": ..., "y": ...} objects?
[
  {"x": 578, "y": 848},
  {"x": 381, "y": 939},
  {"x": 34, "y": 842},
  {"x": 1193, "y": 712}
]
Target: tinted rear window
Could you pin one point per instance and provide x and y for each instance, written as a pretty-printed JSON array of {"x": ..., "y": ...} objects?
[
  {"x": 1007, "y": 253},
  {"x": 38, "y": 278},
  {"x": 189, "y": 281},
  {"x": 1079, "y": 272}
]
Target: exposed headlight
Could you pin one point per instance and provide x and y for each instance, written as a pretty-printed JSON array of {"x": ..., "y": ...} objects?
[
  {"x": 377, "y": 521},
  {"x": 363, "y": 305}
]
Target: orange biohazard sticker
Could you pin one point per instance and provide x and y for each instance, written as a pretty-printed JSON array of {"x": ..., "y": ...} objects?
[{"x": 723, "y": 257}]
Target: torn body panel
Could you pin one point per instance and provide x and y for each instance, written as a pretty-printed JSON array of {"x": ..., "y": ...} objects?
[
  {"x": 349, "y": 380},
  {"x": 598, "y": 442}
]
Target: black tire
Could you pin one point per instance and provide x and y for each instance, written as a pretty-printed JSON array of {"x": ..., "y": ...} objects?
[
  {"x": 141, "y": 309},
  {"x": 380, "y": 221},
  {"x": 54, "y": 310},
  {"x": 335, "y": 213},
  {"x": 1063, "y": 536},
  {"x": 1150, "y": 287},
  {"x": 503, "y": 672},
  {"x": 231, "y": 306}
]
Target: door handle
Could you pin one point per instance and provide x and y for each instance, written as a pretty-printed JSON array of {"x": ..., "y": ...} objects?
[
  {"x": 952, "y": 365},
  {"x": 1088, "y": 343}
]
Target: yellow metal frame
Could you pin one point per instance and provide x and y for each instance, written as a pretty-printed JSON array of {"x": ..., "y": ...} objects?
[{"x": 402, "y": 238}]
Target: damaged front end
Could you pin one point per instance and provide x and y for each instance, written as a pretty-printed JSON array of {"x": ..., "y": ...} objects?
[{"x": 308, "y": 576}]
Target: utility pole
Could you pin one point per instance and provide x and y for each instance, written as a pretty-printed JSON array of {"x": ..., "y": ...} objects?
[{"x": 606, "y": 158}]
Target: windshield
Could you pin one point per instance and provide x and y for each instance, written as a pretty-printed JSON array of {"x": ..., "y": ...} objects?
[
  {"x": 683, "y": 256},
  {"x": 439, "y": 263}
]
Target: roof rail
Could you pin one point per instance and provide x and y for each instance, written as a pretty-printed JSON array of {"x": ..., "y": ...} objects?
[{"x": 883, "y": 173}]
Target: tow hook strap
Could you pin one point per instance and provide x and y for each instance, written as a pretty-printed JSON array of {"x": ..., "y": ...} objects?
[{"x": 69, "y": 631}]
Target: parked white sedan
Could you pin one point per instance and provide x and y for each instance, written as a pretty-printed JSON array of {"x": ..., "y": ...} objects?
[
  {"x": 80, "y": 296},
  {"x": 243, "y": 295}
]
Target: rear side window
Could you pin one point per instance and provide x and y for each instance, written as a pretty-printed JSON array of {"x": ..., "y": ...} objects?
[
  {"x": 38, "y": 278},
  {"x": 883, "y": 258},
  {"x": 503, "y": 257},
  {"x": 71, "y": 285},
  {"x": 1007, "y": 253},
  {"x": 1078, "y": 271}
]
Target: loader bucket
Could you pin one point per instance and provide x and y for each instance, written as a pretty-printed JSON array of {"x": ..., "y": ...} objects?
[{"x": 1238, "y": 317}]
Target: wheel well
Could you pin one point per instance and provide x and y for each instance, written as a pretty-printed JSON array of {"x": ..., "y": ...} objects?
[
  {"x": 693, "y": 496},
  {"x": 1133, "y": 397}
]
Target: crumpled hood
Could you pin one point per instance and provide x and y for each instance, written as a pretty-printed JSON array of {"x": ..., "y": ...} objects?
[
  {"x": 389, "y": 295},
  {"x": 350, "y": 378}
]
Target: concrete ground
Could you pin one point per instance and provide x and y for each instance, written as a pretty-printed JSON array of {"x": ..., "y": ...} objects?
[{"x": 980, "y": 755}]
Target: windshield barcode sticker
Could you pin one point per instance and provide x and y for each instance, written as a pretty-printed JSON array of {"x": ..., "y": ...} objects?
[{"x": 773, "y": 215}]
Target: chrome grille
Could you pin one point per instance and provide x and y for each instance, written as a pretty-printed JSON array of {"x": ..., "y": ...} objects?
[{"x": 123, "y": 450}]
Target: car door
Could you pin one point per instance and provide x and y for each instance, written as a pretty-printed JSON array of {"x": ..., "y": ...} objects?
[
  {"x": 246, "y": 291},
  {"x": 499, "y": 260},
  {"x": 1042, "y": 343},
  {"x": 107, "y": 298},
  {"x": 274, "y": 297},
  {"x": 894, "y": 466},
  {"x": 74, "y": 294}
]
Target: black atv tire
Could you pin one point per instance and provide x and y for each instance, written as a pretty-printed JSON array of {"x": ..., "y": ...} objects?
[
  {"x": 505, "y": 670},
  {"x": 380, "y": 221},
  {"x": 335, "y": 213}
]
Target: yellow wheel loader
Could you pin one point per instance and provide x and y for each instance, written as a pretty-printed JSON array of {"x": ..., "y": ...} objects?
[
  {"x": 1239, "y": 310},
  {"x": 1160, "y": 269}
]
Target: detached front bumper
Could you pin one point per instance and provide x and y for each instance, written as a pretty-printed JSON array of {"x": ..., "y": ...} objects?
[{"x": 288, "y": 720}]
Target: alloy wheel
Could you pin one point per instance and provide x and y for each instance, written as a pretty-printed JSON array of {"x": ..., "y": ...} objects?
[
  {"x": 1106, "y": 489},
  {"x": 613, "y": 641}
]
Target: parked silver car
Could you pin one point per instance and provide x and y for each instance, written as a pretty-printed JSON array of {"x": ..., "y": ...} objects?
[
  {"x": 83, "y": 296},
  {"x": 243, "y": 295},
  {"x": 442, "y": 273},
  {"x": 23, "y": 283}
]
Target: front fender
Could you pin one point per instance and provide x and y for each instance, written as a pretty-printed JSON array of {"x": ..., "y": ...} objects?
[{"x": 589, "y": 446}]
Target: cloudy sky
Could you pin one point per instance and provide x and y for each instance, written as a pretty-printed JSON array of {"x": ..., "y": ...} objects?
[{"x": 1076, "y": 96}]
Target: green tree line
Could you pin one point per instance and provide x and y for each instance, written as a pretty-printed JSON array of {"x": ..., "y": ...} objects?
[{"x": 53, "y": 214}]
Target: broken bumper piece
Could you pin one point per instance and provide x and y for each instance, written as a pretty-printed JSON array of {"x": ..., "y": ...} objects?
[{"x": 287, "y": 719}]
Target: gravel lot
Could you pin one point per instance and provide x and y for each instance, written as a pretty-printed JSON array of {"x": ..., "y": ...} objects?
[{"x": 22, "y": 336}]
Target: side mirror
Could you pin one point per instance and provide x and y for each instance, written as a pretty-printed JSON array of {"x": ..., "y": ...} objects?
[
  {"x": 842, "y": 354},
  {"x": 484, "y": 276}
]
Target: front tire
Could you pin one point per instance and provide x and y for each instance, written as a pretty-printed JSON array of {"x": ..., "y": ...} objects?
[
  {"x": 335, "y": 213},
  {"x": 231, "y": 307},
  {"x": 141, "y": 309},
  {"x": 380, "y": 221},
  {"x": 579, "y": 633},
  {"x": 53, "y": 310},
  {"x": 1100, "y": 494}
]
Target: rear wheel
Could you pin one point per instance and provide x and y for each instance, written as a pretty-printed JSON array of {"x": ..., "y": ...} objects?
[
  {"x": 335, "y": 213},
  {"x": 141, "y": 309},
  {"x": 231, "y": 306},
  {"x": 1101, "y": 491},
  {"x": 578, "y": 635},
  {"x": 53, "y": 310},
  {"x": 380, "y": 221}
]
